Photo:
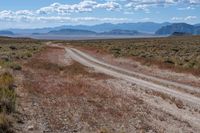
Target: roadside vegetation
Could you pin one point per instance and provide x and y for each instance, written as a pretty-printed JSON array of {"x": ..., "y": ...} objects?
[
  {"x": 72, "y": 96},
  {"x": 13, "y": 53},
  {"x": 181, "y": 54}
]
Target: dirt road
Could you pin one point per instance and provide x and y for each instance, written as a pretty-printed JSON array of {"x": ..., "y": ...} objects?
[
  {"x": 119, "y": 73},
  {"x": 66, "y": 90},
  {"x": 123, "y": 74},
  {"x": 139, "y": 75}
]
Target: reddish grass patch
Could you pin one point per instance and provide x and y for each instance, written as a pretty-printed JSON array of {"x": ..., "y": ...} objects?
[{"x": 65, "y": 93}]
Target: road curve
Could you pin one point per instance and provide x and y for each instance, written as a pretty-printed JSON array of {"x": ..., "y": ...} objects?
[
  {"x": 187, "y": 98},
  {"x": 140, "y": 75},
  {"x": 89, "y": 61}
]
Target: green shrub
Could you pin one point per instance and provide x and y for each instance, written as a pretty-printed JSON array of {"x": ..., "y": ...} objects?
[
  {"x": 16, "y": 66},
  {"x": 6, "y": 80},
  {"x": 169, "y": 61},
  {"x": 5, "y": 123},
  {"x": 7, "y": 93},
  {"x": 7, "y": 100}
]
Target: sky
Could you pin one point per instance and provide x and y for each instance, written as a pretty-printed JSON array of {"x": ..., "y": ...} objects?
[{"x": 50, "y": 13}]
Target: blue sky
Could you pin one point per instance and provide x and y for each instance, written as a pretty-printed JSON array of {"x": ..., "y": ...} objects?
[{"x": 48, "y": 13}]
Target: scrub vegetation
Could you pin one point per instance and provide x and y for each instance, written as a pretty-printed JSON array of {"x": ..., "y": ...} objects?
[
  {"x": 13, "y": 53},
  {"x": 181, "y": 54}
]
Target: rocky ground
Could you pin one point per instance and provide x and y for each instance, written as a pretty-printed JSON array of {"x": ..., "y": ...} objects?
[{"x": 57, "y": 94}]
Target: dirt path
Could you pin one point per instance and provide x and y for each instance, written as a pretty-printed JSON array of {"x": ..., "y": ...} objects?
[
  {"x": 115, "y": 71},
  {"x": 139, "y": 75},
  {"x": 59, "y": 95},
  {"x": 119, "y": 73}
]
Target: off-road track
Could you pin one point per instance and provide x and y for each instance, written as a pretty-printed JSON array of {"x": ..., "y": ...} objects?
[
  {"x": 67, "y": 89},
  {"x": 144, "y": 81}
]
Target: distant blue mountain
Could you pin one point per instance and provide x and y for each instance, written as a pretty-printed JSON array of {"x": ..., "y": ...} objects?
[
  {"x": 197, "y": 25},
  {"x": 178, "y": 28},
  {"x": 71, "y": 32},
  {"x": 121, "y": 32},
  {"x": 147, "y": 27},
  {"x": 6, "y": 32},
  {"x": 144, "y": 27},
  {"x": 117, "y": 32},
  {"x": 180, "y": 34}
]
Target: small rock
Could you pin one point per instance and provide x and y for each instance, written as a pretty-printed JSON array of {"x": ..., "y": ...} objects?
[
  {"x": 5, "y": 58},
  {"x": 34, "y": 104},
  {"x": 20, "y": 121},
  {"x": 30, "y": 128}
]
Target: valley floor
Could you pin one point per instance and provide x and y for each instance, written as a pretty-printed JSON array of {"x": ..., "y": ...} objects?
[{"x": 65, "y": 90}]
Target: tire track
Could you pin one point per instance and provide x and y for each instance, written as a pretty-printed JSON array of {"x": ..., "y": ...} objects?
[{"x": 107, "y": 69}]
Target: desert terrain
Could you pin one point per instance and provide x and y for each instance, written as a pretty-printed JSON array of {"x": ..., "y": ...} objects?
[{"x": 101, "y": 86}]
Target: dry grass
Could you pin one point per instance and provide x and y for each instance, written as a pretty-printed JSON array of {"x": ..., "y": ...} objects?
[
  {"x": 180, "y": 54},
  {"x": 14, "y": 51},
  {"x": 165, "y": 97},
  {"x": 7, "y": 101},
  {"x": 5, "y": 123},
  {"x": 77, "y": 102},
  {"x": 6, "y": 80}
]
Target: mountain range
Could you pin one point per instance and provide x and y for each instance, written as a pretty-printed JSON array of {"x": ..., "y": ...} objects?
[
  {"x": 179, "y": 27},
  {"x": 147, "y": 27},
  {"x": 122, "y": 29},
  {"x": 71, "y": 32},
  {"x": 87, "y": 32},
  {"x": 6, "y": 32}
]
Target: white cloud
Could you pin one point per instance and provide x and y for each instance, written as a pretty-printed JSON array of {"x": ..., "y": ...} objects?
[
  {"x": 188, "y": 18},
  {"x": 146, "y": 4},
  {"x": 109, "y": 5},
  {"x": 21, "y": 16},
  {"x": 186, "y": 8},
  {"x": 24, "y": 12},
  {"x": 83, "y": 6},
  {"x": 177, "y": 18},
  {"x": 193, "y": 1},
  {"x": 60, "y": 13},
  {"x": 81, "y": 19}
]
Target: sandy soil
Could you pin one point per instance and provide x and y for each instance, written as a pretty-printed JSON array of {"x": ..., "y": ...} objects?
[{"x": 59, "y": 95}]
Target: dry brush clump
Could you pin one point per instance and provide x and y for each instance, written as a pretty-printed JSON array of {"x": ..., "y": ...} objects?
[
  {"x": 166, "y": 97},
  {"x": 7, "y": 101}
]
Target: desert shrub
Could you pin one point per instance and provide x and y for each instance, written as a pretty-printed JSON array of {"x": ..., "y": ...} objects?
[
  {"x": 169, "y": 61},
  {"x": 181, "y": 54},
  {"x": 28, "y": 54},
  {"x": 15, "y": 66},
  {"x": 10, "y": 64},
  {"x": 6, "y": 80},
  {"x": 75, "y": 69},
  {"x": 13, "y": 47},
  {"x": 116, "y": 51},
  {"x": 5, "y": 58},
  {"x": 7, "y": 93},
  {"x": 7, "y": 100},
  {"x": 188, "y": 65},
  {"x": 5, "y": 123}
]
